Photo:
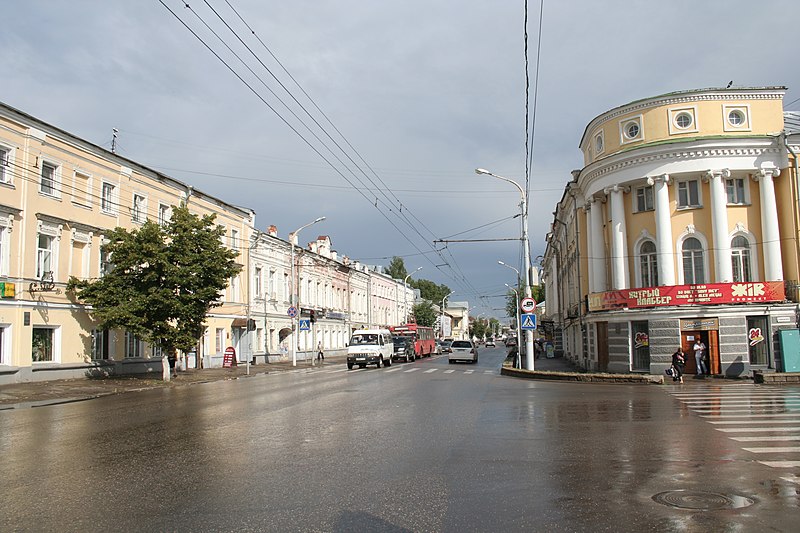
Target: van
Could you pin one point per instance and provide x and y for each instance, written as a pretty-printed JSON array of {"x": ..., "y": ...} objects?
[{"x": 370, "y": 347}]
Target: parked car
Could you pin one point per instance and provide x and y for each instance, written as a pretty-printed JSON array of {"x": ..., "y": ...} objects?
[
  {"x": 490, "y": 342},
  {"x": 463, "y": 351},
  {"x": 446, "y": 346},
  {"x": 511, "y": 341}
]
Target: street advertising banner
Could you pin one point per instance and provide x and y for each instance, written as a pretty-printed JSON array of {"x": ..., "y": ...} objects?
[{"x": 703, "y": 294}]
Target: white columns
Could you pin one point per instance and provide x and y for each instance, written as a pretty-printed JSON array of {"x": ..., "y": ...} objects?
[
  {"x": 770, "y": 235},
  {"x": 619, "y": 239},
  {"x": 597, "y": 249},
  {"x": 666, "y": 261},
  {"x": 719, "y": 225}
]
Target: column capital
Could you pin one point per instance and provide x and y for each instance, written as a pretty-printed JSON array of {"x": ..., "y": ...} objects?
[
  {"x": 724, "y": 173},
  {"x": 767, "y": 172},
  {"x": 617, "y": 188},
  {"x": 652, "y": 180}
]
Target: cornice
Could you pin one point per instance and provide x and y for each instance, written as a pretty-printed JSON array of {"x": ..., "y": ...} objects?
[{"x": 605, "y": 168}]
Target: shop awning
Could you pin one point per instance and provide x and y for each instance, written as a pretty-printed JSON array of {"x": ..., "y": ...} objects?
[{"x": 239, "y": 323}]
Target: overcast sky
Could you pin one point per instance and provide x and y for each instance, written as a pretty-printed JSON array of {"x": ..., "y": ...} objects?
[{"x": 424, "y": 91}]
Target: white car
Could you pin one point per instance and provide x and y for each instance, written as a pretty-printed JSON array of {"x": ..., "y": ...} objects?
[
  {"x": 463, "y": 351},
  {"x": 490, "y": 342}
]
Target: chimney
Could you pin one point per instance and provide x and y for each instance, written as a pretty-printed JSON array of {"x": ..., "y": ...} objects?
[{"x": 272, "y": 231}]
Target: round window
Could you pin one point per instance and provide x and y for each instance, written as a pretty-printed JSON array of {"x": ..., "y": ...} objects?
[
  {"x": 598, "y": 143},
  {"x": 632, "y": 130},
  {"x": 736, "y": 117},
  {"x": 683, "y": 120}
]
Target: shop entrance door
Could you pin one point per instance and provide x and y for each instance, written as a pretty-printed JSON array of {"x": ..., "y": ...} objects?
[{"x": 711, "y": 340}]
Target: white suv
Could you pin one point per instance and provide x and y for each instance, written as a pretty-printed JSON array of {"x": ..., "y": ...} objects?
[{"x": 463, "y": 351}]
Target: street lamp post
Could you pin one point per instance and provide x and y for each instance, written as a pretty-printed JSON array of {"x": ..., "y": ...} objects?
[
  {"x": 527, "y": 255},
  {"x": 295, "y": 295},
  {"x": 441, "y": 318},
  {"x": 405, "y": 295},
  {"x": 518, "y": 361}
]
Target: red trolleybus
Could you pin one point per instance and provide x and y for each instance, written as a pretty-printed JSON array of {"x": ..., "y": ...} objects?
[{"x": 424, "y": 341}]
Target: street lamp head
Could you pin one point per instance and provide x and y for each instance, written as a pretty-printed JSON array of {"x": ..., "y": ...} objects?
[
  {"x": 320, "y": 219},
  {"x": 501, "y": 263},
  {"x": 481, "y": 171}
]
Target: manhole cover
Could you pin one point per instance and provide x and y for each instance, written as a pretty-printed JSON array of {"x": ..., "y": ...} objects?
[{"x": 700, "y": 500}]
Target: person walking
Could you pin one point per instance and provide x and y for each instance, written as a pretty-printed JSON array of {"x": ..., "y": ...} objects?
[
  {"x": 320, "y": 353},
  {"x": 699, "y": 353},
  {"x": 678, "y": 363}
]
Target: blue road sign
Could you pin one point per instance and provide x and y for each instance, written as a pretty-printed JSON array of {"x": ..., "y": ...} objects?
[
  {"x": 305, "y": 324},
  {"x": 528, "y": 321},
  {"x": 292, "y": 311}
]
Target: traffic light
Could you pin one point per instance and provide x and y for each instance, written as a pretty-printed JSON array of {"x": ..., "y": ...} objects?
[{"x": 312, "y": 316}]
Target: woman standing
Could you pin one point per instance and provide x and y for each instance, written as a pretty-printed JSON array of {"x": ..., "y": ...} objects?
[{"x": 678, "y": 362}]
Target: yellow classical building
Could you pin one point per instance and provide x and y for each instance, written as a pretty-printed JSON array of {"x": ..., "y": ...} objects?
[
  {"x": 681, "y": 228},
  {"x": 59, "y": 195}
]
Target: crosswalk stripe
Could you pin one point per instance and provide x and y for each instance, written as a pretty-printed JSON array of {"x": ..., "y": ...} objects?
[
  {"x": 758, "y": 430},
  {"x": 449, "y": 371},
  {"x": 767, "y": 438},
  {"x": 776, "y": 449},
  {"x": 394, "y": 369},
  {"x": 750, "y": 422},
  {"x": 752, "y": 415},
  {"x": 431, "y": 370},
  {"x": 792, "y": 478},
  {"x": 723, "y": 410},
  {"x": 411, "y": 370},
  {"x": 488, "y": 371},
  {"x": 469, "y": 371},
  {"x": 781, "y": 464}
]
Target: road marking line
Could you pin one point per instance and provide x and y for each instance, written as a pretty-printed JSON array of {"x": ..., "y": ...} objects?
[
  {"x": 431, "y": 370},
  {"x": 778, "y": 415},
  {"x": 755, "y": 411},
  {"x": 336, "y": 371},
  {"x": 394, "y": 369},
  {"x": 468, "y": 371},
  {"x": 757, "y": 430},
  {"x": 412, "y": 370},
  {"x": 766, "y": 438},
  {"x": 449, "y": 371},
  {"x": 781, "y": 464},
  {"x": 792, "y": 478},
  {"x": 488, "y": 371},
  {"x": 777, "y": 449},
  {"x": 753, "y": 422}
]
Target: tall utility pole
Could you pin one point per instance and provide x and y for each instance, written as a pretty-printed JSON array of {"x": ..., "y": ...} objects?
[
  {"x": 295, "y": 298},
  {"x": 405, "y": 296},
  {"x": 527, "y": 255}
]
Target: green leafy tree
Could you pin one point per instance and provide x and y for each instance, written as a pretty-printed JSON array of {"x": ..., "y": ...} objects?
[
  {"x": 424, "y": 314},
  {"x": 397, "y": 268},
  {"x": 164, "y": 280},
  {"x": 430, "y": 290}
]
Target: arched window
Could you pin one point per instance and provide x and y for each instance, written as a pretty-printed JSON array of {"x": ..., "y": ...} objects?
[
  {"x": 740, "y": 257},
  {"x": 693, "y": 271},
  {"x": 648, "y": 260}
]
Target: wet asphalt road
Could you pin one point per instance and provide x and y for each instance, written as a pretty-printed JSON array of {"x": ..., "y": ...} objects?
[{"x": 413, "y": 447}]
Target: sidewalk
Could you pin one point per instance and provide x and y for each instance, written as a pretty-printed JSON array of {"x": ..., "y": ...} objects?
[{"x": 41, "y": 393}]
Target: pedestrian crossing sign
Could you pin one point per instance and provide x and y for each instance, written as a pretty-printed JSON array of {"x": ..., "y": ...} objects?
[
  {"x": 528, "y": 321},
  {"x": 305, "y": 324}
]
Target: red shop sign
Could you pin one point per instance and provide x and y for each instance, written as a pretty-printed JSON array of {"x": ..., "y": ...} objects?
[{"x": 703, "y": 294}]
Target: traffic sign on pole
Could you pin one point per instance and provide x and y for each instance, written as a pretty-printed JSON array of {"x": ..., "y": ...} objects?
[
  {"x": 305, "y": 324},
  {"x": 527, "y": 305},
  {"x": 292, "y": 311},
  {"x": 528, "y": 321}
]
